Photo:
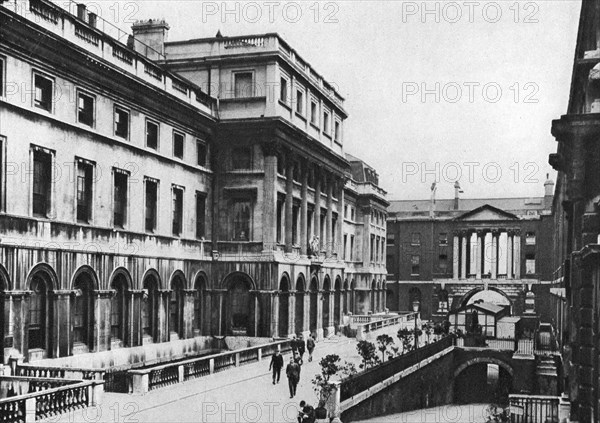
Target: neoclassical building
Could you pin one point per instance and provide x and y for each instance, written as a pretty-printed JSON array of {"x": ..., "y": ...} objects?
[{"x": 149, "y": 191}]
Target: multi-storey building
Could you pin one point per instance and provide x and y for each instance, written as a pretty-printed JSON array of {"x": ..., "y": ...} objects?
[
  {"x": 577, "y": 222},
  {"x": 139, "y": 205},
  {"x": 445, "y": 254}
]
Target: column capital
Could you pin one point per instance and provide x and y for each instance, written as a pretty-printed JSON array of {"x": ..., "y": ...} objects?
[
  {"x": 105, "y": 293},
  {"x": 63, "y": 292},
  {"x": 16, "y": 293},
  {"x": 496, "y": 231}
]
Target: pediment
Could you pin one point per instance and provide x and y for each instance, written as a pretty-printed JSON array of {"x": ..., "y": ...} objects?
[{"x": 486, "y": 213}]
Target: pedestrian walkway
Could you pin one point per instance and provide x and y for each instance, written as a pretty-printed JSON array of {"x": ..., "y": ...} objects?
[
  {"x": 470, "y": 413},
  {"x": 244, "y": 394}
]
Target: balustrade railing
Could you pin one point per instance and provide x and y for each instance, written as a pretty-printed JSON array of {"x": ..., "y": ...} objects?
[
  {"x": 163, "y": 376},
  {"x": 28, "y": 370}
]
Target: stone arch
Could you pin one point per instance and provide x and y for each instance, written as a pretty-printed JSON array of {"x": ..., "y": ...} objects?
[
  {"x": 284, "y": 305},
  {"x": 473, "y": 381},
  {"x": 239, "y": 310},
  {"x": 299, "y": 306},
  {"x": 200, "y": 306},
  {"x": 48, "y": 271},
  {"x": 5, "y": 283},
  {"x": 177, "y": 284},
  {"x": 153, "y": 273},
  {"x": 150, "y": 305},
  {"x": 466, "y": 297},
  {"x": 41, "y": 281},
  {"x": 120, "y": 282},
  {"x": 484, "y": 360},
  {"x": 300, "y": 283},
  {"x": 84, "y": 282}
]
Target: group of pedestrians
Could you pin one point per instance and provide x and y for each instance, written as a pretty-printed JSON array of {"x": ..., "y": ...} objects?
[{"x": 294, "y": 367}]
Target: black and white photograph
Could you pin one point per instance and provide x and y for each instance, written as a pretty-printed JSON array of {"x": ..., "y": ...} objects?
[{"x": 307, "y": 211}]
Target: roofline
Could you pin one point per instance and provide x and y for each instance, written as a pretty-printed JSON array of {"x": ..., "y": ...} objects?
[{"x": 470, "y": 199}]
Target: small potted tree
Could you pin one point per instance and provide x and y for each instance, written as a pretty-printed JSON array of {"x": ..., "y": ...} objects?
[
  {"x": 368, "y": 353},
  {"x": 383, "y": 342},
  {"x": 324, "y": 384}
]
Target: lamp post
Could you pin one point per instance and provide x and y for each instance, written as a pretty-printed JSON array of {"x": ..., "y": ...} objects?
[{"x": 416, "y": 305}]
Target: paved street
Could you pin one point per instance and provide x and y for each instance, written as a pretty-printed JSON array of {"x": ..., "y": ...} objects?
[{"x": 245, "y": 394}]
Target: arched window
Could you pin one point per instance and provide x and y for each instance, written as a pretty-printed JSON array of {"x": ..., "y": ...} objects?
[
  {"x": 83, "y": 311},
  {"x": 38, "y": 311},
  {"x": 118, "y": 310}
]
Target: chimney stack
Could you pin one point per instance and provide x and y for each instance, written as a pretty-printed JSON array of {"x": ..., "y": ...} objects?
[
  {"x": 548, "y": 192},
  {"x": 457, "y": 191},
  {"x": 150, "y": 37}
]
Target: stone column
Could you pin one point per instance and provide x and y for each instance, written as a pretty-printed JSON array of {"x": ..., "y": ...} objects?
[
  {"x": 478, "y": 255},
  {"x": 495, "y": 254},
  {"x": 291, "y": 312},
  {"x": 329, "y": 219},
  {"x": 274, "y": 314},
  {"x": 463, "y": 259},
  {"x": 269, "y": 208},
  {"x": 207, "y": 319},
  {"x": 340, "y": 221},
  {"x": 60, "y": 333},
  {"x": 455, "y": 256},
  {"x": 517, "y": 254},
  {"x": 306, "y": 320},
  {"x": 289, "y": 203},
  {"x": 509, "y": 254},
  {"x": 319, "y": 324},
  {"x": 304, "y": 210},
  {"x": 317, "y": 211},
  {"x": 331, "y": 320},
  {"x": 102, "y": 311},
  {"x": 16, "y": 303},
  {"x": 134, "y": 315}
]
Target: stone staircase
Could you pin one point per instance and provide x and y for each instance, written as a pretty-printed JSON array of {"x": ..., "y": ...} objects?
[{"x": 546, "y": 374}]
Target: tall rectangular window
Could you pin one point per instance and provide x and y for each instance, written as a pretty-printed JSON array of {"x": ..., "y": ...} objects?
[
  {"x": 121, "y": 123},
  {"x": 178, "y": 141},
  {"x": 42, "y": 171},
  {"x": 283, "y": 90},
  {"x": 177, "y": 210},
  {"x": 345, "y": 246},
  {"x": 337, "y": 131},
  {"x": 351, "y": 247},
  {"x": 295, "y": 226},
  {"x": 120, "y": 182},
  {"x": 200, "y": 215},
  {"x": 372, "y": 248},
  {"x": 151, "y": 187},
  {"x": 280, "y": 221},
  {"x": 415, "y": 262},
  {"x": 85, "y": 176},
  {"x": 241, "y": 220},
  {"x": 300, "y": 102},
  {"x": 85, "y": 109},
  {"x": 326, "y": 122},
  {"x": 152, "y": 134},
  {"x": 201, "y": 155},
  {"x": 44, "y": 88},
  {"x": 313, "y": 113},
  {"x": 241, "y": 158},
  {"x": 243, "y": 84}
]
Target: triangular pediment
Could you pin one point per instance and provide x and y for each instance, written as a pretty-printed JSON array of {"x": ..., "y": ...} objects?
[{"x": 486, "y": 213}]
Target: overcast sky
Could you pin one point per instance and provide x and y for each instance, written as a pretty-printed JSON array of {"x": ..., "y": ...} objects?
[{"x": 496, "y": 74}]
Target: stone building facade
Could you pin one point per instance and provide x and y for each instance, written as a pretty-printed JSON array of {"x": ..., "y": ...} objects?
[
  {"x": 140, "y": 206},
  {"x": 445, "y": 253},
  {"x": 576, "y": 261}
]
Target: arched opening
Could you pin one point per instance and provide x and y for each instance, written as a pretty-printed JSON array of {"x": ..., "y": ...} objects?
[
  {"x": 491, "y": 296},
  {"x": 239, "y": 308},
  {"x": 326, "y": 296},
  {"x": 373, "y": 296},
  {"x": 150, "y": 305},
  {"x": 314, "y": 297},
  {"x": 346, "y": 298},
  {"x": 337, "y": 301},
  {"x": 118, "y": 311},
  {"x": 40, "y": 314},
  {"x": 83, "y": 312},
  {"x": 177, "y": 300},
  {"x": 199, "y": 298},
  {"x": 484, "y": 381},
  {"x": 284, "y": 306},
  {"x": 300, "y": 304}
]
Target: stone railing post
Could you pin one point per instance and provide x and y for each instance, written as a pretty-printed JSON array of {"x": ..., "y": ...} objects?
[
  {"x": 30, "y": 410},
  {"x": 180, "y": 374},
  {"x": 259, "y": 354},
  {"x": 140, "y": 383},
  {"x": 97, "y": 393},
  {"x": 237, "y": 359},
  {"x": 211, "y": 366}
]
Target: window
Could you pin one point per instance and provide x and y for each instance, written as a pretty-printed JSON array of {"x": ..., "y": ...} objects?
[
  {"x": 443, "y": 239},
  {"x": 345, "y": 246},
  {"x": 295, "y": 226},
  {"x": 313, "y": 113},
  {"x": 352, "y": 214},
  {"x": 443, "y": 262},
  {"x": 243, "y": 85},
  {"x": 241, "y": 158},
  {"x": 337, "y": 132},
  {"x": 391, "y": 239},
  {"x": 121, "y": 123},
  {"x": 85, "y": 109},
  {"x": 42, "y": 168},
  {"x": 283, "y": 90},
  {"x": 152, "y": 135},
  {"x": 372, "y": 247},
  {"x": 415, "y": 239},
  {"x": 530, "y": 238},
  {"x": 241, "y": 213},
  {"x": 201, "y": 153},
  {"x": 351, "y": 247},
  {"x": 121, "y": 178},
  {"x": 280, "y": 221},
  {"x": 200, "y": 215},
  {"x": 326, "y": 122},
  {"x": 300, "y": 102},
  {"x": 415, "y": 262},
  {"x": 178, "y": 141},
  {"x": 530, "y": 264},
  {"x": 85, "y": 176},
  {"x": 177, "y": 210},
  {"x": 43, "y": 92},
  {"x": 151, "y": 187}
]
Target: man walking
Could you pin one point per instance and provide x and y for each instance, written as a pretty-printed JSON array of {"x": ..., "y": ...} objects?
[
  {"x": 276, "y": 365},
  {"x": 310, "y": 346},
  {"x": 301, "y": 346},
  {"x": 293, "y": 374}
]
